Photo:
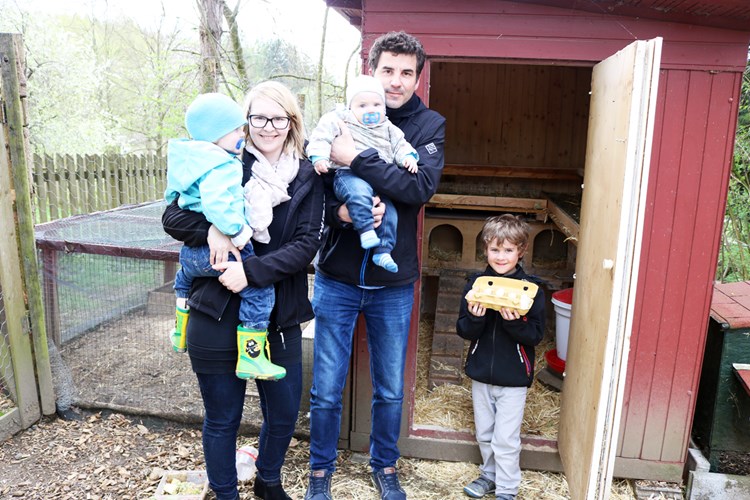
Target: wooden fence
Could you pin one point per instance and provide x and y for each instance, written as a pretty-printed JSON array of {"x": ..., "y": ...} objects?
[{"x": 66, "y": 185}]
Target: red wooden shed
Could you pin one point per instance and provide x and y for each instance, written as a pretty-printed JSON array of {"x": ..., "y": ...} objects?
[{"x": 513, "y": 80}]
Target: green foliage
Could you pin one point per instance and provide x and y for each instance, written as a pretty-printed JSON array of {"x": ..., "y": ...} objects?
[
  {"x": 106, "y": 86},
  {"x": 734, "y": 258}
]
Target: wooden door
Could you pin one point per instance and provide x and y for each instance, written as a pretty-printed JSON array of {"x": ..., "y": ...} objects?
[{"x": 623, "y": 96}]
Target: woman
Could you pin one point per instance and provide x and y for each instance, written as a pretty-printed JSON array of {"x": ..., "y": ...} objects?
[{"x": 275, "y": 143}]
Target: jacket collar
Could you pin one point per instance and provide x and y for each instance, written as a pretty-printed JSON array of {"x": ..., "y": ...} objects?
[
  {"x": 518, "y": 273},
  {"x": 409, "y": 108}
]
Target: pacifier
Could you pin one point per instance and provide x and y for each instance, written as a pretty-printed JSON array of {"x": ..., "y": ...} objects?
[{"x": 372, "y": 118}]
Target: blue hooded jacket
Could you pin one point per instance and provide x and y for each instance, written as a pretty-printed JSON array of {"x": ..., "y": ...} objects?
[{"x": 207, "y": 180}]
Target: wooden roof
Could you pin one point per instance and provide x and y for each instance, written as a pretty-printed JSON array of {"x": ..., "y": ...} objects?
[
  {"x": 728, "y": 14},
  {"x": 730, "y": 305}
]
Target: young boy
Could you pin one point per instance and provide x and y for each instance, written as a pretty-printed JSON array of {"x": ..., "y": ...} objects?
[
  {"x": 207, "y": 176},
  {"x": 370, "y": 128},
  {"x": 500, "y": 360}
]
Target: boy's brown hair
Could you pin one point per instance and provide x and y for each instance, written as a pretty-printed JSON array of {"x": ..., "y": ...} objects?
[{"x": 506, "y": 227}]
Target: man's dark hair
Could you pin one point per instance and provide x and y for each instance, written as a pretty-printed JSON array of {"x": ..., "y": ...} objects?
[{"x": 397, "y": 42}]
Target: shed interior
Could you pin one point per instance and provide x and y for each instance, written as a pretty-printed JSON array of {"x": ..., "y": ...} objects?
[{"x": 515, "y": 143}]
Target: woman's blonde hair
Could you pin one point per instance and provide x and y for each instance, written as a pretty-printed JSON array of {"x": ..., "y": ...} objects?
[{"x": 281, "y": 95}]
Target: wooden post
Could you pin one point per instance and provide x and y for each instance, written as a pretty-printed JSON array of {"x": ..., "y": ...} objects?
[
  {"x": 53, "y": 178},
  {"x": 19, "y": 265},
  {"x": 67, "y": 197},
  {"x": 42, "y": 194}
]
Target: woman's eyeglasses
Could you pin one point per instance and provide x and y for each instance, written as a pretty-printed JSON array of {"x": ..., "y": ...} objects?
[{"x": 260, "y": 121}]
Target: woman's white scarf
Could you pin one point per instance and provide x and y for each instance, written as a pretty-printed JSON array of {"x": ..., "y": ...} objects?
[{"x": 267, "y": 188}]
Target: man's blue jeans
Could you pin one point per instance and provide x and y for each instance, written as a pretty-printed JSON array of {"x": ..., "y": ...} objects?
[
  {"x": 357, "y": 194},
  {"x": 257, "y": 303},
  {"x": 387, "y": 313}
]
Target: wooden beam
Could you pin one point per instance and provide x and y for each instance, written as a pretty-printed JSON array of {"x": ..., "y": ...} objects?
[
  {"x": 494, "y": 203},
  {"x": 563, "y": 221},
  {"x": 513, "y": 172}
]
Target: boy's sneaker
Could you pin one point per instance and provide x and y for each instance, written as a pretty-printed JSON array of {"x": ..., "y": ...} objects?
[
  {"x": 319, "y": 487},
  {"x": 386, "y": 481},
  {"x": 505, "y": 496},
  {"x": 480, "y": 487}
]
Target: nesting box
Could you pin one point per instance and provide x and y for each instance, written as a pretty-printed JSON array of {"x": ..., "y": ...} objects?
[{"x": 722, "y": 414}]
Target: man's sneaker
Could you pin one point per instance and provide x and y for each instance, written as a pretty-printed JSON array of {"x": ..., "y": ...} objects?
[
  {"x": 386, "y": 481},
  {"x": 505, "y": 496},
  {"x": 319, "y": 487},
  {"x": 480, "y": 487}
]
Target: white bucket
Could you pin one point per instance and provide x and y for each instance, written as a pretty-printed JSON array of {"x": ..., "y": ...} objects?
[{"x": 563, "y": 302}]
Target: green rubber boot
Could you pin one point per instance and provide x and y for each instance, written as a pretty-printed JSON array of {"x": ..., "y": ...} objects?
[
  {"x": 179, "y": 335},
  {"x": 254, "y": 356}
]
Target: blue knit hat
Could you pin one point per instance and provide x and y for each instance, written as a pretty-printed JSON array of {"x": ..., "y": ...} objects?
[{"x": 212, "y": 116}]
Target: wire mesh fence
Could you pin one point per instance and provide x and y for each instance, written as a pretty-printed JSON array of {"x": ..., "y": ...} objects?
[
  {"x": 110, "y": 307},
  {"x": 7, "y": 380}
]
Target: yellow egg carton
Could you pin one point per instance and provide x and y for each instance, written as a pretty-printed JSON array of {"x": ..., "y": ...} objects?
[{"x": 495, "y": 292}]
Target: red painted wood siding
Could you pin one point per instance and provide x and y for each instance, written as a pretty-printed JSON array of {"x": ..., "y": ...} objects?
[
  {"x": 693, "y": 141},
  {"x": 498, "y": 29}
]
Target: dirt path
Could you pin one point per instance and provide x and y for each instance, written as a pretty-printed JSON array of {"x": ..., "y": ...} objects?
[{"x": 108, "y": 455}]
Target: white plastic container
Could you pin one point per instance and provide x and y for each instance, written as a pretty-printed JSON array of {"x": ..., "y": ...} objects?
[
  {"x": 563, "y": 302},
  {"x": 246, "y": 457}
]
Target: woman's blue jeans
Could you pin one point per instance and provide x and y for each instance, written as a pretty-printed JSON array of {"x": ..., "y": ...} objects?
[
  {"x": 223, "y": 401},
  {"x": 387, "y": 313}
]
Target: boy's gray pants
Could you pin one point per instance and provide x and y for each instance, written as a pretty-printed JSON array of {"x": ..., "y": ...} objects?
[{"x": 498, "y": 413}]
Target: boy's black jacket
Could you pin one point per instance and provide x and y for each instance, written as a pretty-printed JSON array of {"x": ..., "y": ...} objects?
[
  {"x": 342, "y": 257},
  {"x": 298, "y": 220},
  {"x": 502, "y": 352}
]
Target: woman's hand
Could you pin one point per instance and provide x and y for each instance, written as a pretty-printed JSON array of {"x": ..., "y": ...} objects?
[
  {"x": 378, "y": 209},
  {"x": 221, "y": 246},
  {"x": 233, "y": 277}
]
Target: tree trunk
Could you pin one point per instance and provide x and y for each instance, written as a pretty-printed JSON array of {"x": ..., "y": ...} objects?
[
  {"x": 210, "y": 38},
  {"x": 320, "y": 65},
  {"x": 238, "y": 55}
]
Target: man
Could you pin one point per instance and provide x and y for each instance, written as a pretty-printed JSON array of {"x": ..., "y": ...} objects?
[{"x": 347, "y": 283}]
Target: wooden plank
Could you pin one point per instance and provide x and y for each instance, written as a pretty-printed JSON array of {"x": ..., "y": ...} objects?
[
  {"x": 742, "y": 371},
  {"x": 656, "y": 252},
  {"x": 513, "y": 172},
  {"x": 533, "y": 32},
  {"x": 40, "y": 187},
  {"x": 21, "y": 216},
  {"x": 11, "y": 279},
  {"x": 617, "y": 159},
  {"x": 704, "y": 236},
  {"x": 567, "y": 225},
  {"x": 471, "y": 202}
]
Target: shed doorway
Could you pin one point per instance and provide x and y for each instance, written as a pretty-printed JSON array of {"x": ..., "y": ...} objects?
[
  {"x": 616, "y": 141},
  {"x": 515, "y": 139}
]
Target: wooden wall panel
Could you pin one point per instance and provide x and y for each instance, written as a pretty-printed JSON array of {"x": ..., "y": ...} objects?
[
  {"x": 499, "y": 29},
  {"x": 687, "y": 198},
  {"x": 512, "y": 115}
]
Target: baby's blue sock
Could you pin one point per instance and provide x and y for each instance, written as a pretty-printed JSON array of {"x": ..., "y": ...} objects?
[
  {"x": 369, "y": 239},
  {"x": 385, "y": 261}
]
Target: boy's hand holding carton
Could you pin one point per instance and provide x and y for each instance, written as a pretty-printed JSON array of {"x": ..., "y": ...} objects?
[{"x": 496, "y": 293}]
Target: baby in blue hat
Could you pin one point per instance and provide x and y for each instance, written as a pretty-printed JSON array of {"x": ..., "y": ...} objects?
[
  {"x": 370, "y": 128},
  {"x": 204, "y": 175}
]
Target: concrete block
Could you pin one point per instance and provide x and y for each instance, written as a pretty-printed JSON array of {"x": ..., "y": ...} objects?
[{"x": 712, "y": 486}]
